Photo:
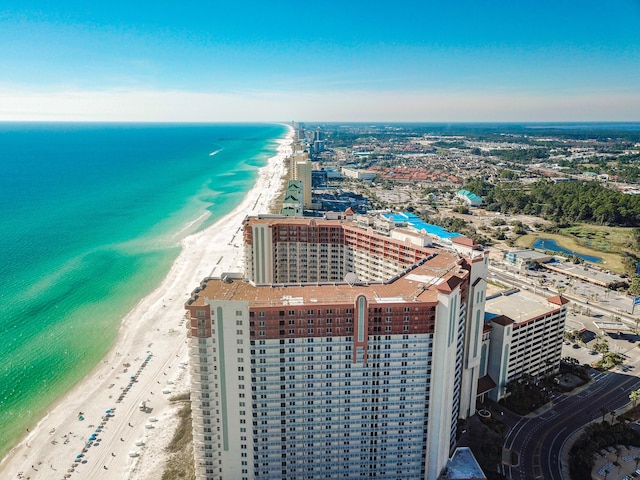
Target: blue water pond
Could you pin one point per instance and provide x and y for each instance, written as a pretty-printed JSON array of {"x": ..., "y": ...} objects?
[{"x": 549, "y": 244}]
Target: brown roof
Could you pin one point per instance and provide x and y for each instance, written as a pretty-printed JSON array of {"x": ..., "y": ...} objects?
[
  {"x": 485, "y": 384},
  {"x": 449, "y": 285},
  {"x": 466, "y": 241},
  {"x": 502, "y": 320},
  {"x": 276, "y": 220},
  {"x": 558, "y": 300},
  {"x": 420, "y": 284}
]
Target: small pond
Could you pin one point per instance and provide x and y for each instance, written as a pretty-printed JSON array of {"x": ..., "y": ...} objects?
[{"x": 549, "y": 244}]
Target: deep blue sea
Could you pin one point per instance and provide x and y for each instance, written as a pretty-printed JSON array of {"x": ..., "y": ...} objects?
[{"x": 91, "y": 216}]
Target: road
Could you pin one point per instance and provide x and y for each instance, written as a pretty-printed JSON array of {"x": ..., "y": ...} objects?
[
  {"x": 539, "y": 440},
  {"x": 610, "y": 304}
]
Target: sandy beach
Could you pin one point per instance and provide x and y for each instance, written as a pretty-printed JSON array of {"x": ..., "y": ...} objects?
[{"x": 97, "y": 430}]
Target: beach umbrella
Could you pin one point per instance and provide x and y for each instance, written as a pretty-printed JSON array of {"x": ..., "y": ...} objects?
[
  {"x": 79, "y": 456},
  {"x": 108, "y": 411}
]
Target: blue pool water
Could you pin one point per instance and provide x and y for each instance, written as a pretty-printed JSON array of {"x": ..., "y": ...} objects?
[{"x": 419, "y": 224}]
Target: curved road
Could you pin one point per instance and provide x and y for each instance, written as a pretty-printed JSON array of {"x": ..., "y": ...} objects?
[{"x": 539, "y": 440}]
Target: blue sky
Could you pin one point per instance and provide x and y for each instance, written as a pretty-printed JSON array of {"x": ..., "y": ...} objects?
[{"x": 326, "y": 61}]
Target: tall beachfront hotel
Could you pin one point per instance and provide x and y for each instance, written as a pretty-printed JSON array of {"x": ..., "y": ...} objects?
[{"x": 345, "y": 350}]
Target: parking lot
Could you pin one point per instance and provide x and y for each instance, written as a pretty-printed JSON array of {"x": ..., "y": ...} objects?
[
  {"x": 625, "y": 344},
  {"x": 584, "y": 291}
]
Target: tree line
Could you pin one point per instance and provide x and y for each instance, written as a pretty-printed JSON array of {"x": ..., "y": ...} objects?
[{"x": 563, "y": 203}]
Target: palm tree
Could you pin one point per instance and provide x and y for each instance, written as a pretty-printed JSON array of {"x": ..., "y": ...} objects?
[
  {"x": 603, "y": 410},
  {"x": 613, "y": 413},
  {"x": 634, "y": 397}
]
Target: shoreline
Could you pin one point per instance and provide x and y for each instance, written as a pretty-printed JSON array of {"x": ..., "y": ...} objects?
[{"x": 146, "y": 363}]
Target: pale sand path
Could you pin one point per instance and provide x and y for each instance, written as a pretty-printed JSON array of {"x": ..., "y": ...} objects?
[{"x": 155, "y": 327}]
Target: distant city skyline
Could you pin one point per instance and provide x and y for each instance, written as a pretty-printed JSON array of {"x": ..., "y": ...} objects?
[{"x": 415, "y": 61}]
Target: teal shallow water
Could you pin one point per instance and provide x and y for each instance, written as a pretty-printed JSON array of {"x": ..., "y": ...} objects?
[{"x": 90, "y": 221}]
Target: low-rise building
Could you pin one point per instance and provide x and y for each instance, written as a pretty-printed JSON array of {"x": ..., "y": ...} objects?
[
  {"x": 470, "y": 198},
  {"x": 358, "y": 174},
  {"x": 523, "y": 259}
]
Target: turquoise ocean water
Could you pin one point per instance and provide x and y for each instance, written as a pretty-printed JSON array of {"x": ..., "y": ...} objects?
[{"x": 91, "y": 216}]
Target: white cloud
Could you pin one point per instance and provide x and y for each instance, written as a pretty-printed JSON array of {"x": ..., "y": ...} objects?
[{"x": 184, "y": 106}]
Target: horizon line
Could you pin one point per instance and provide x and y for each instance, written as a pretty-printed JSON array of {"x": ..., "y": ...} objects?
[{"x": 336, "y": 122}]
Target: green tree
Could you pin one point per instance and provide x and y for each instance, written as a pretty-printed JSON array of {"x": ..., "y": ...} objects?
[{"x": 601, "y": 347}]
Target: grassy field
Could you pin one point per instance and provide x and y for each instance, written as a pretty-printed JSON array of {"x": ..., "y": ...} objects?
[{"x": 609, "y": 243}]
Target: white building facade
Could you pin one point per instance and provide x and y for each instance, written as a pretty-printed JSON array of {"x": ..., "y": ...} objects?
[
  {"x": 336, "y": 380},
  {"x": 529, "y": 346}
]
